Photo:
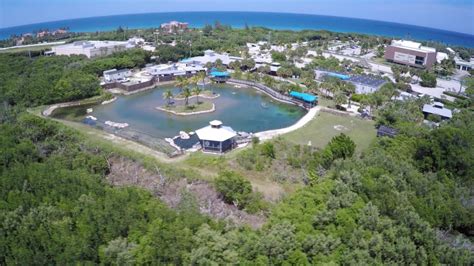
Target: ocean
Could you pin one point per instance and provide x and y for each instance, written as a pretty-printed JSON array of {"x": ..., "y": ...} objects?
[{"x": 240, "y": 19}]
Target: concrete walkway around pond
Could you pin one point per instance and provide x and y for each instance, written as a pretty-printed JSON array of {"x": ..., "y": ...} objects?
[{"x": 266, "y": 135}]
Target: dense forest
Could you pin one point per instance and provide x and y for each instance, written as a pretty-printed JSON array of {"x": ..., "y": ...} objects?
[{"x": 405, "y": 200}]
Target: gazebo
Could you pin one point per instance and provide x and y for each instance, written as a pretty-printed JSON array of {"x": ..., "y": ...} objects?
[{"x": 216, "y": 137}]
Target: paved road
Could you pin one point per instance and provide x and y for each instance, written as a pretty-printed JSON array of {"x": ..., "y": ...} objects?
[{"x": 32, "y": 45}]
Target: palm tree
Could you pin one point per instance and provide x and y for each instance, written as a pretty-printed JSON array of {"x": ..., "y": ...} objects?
[
  {"x": 340, "y": 98},
  {"x": 196, "y": 91},
  {"x": 182, "y": 82},
  {"x": 186, "y": 94},
  {"x": 202, "y": 76},
  {"x": 208, "y": 67},
  {"x": 327, "y": 87},
  {"x": 168, "y": 95},
  {"x": 348, "y": 89}
]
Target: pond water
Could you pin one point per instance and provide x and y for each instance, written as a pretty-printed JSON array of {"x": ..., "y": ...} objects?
[{"x": 243, "y": 109}]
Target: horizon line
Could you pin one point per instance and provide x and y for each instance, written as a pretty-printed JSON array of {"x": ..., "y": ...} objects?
[{"x": 232, "y": 11}]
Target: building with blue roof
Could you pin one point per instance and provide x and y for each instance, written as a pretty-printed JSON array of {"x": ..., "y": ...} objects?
[
  {"x": 219, "y": 76},
  {"x": 305, "y": 98},
  {"x": 364, "y": 83}
]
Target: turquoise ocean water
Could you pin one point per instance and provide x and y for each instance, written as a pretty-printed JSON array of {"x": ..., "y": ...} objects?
[{"x": 239, "y": 19}]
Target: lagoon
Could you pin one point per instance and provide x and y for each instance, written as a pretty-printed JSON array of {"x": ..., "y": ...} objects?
[{"x": 243, "y": 109}]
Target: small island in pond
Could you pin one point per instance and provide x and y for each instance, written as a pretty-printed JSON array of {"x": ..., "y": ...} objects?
[
  {"x": 185, "y": 107},
  {"x": 194, "y": 109},
  {"x": 205, "y": 94}
]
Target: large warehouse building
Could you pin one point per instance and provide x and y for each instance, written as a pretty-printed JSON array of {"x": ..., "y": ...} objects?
[
  {"x": 93, "y": 49},
  {"x": 411, "y": 54}
]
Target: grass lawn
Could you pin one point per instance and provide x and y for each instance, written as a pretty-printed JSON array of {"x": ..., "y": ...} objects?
[
  {"x": 202, "y": 106},
  {"x": 325, "y": 126}
]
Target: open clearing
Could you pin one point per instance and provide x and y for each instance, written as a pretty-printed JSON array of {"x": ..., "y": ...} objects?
[{"x": 325, "y": 126}]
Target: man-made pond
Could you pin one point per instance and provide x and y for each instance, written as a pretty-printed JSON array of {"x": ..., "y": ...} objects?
[{"x": 244, "y": 109}]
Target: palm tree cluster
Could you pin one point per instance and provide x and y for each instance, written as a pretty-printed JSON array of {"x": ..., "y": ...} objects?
[
  {"x": 184, "y": 83},
  {"x": 340, "y": 91}
]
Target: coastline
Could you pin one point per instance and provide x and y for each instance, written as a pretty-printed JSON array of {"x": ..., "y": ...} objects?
[{"x": 273, "y": 20}]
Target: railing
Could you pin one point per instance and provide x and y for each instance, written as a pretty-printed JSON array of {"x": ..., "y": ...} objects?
[
  {"x": 146, "y": 139},
  {"x": 266, "y": 90}
]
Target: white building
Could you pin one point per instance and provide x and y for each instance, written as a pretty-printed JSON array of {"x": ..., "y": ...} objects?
[
  {"x": 211, "y": 57},
  {"x": 93, "y": 49},
  {"x": 170, "y": 71},
  {"x": 136, "y": 41},
  {"x": 90, "y": 49},
  {"x": 216, "y": 137},
  {"x": 114, "y": 75},
  {"x": 437, "y": 109},
  {"x": 174, "y": 26},
  {"x": 441, "y": 56},
  {"x": 464, "y": 65},
  {"x": 363, "y": 83},
  {"x": 410, "y": 53}
]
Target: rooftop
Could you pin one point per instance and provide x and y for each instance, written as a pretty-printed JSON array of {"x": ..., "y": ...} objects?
[
  {"x": 216, "y": 132},
  {"x": 304, "y": 96},
  {"x": 412, "y": 46},
  {"x": 386, "y": 131},
  {"x": 212, "y": 57},
  {"x": 115, "y": 71},
  {"x": 219, "y": 74},
  {"x": 367, "y": 80},
  {"x": 176, "y": 69},
  {"x": 215, "y": 123},
  {"x": 437, "y": 109}
]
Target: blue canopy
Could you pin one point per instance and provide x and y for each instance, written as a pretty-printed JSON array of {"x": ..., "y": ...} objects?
[
  {"x": 304, "y": 96},
  {"x": 219, "y": 74},
  {"x": 339, "y": 76}
]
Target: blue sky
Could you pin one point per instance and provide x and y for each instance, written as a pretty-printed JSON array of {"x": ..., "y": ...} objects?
[{"x": 455, "y": 15}]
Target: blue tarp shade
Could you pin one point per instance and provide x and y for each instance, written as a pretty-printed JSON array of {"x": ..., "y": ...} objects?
[
  {"x": 304, "y": 96},
  {"x": 339, "y": 76},
  {"x": 219, "y": 74}
]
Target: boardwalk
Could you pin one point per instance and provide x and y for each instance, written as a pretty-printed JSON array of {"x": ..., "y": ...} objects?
[{"x": 271, "y": 92}]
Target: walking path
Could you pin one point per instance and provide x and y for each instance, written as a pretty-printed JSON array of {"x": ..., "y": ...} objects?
[
  {"x": 48, "y": 111},
  {"x": 266, "y": 135},
  {"x": 269, "y": 91}
]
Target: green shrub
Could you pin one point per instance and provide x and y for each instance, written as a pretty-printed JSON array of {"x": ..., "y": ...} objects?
[
  {"x": 358, "y": 97},
  {"x": 428, "y": 80},
  {"x": 268, "y": 150},
  {"x": 434, "y": 118},
  {"x": 237, "y": 190},
  {"x": 455, "y": 95}
]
